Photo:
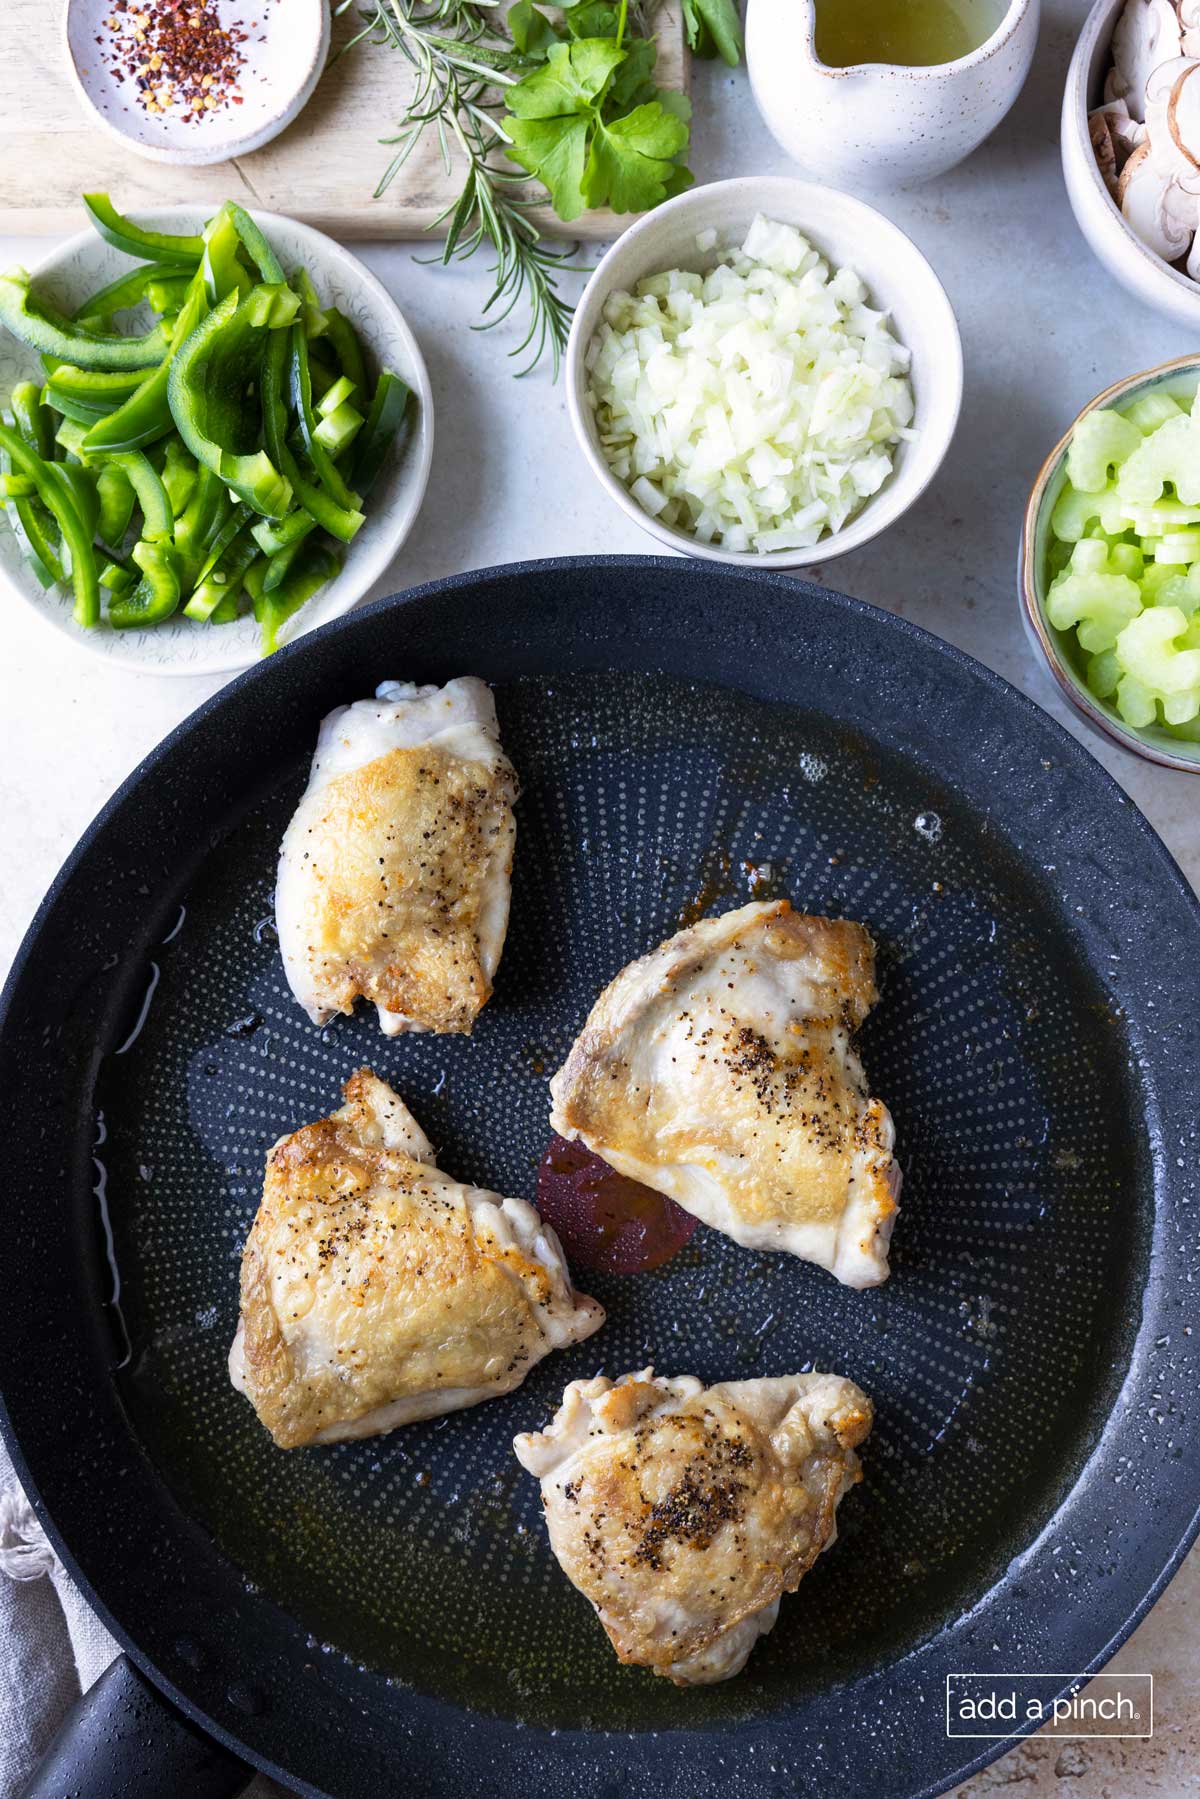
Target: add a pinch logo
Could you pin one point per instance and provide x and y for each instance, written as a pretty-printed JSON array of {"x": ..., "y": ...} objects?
[{"x": 1061, "y": 1705}]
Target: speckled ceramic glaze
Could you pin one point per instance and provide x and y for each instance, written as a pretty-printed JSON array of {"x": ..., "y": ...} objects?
[
  {"x": 181, "y": 646},
  {"x": 879, "y": 124},
  {"x": 285, "y": 48},
  {"x": 1124, "y": 255},
  {"x": 386, "y": 1615}
]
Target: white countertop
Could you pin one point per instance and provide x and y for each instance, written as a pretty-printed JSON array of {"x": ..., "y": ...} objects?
[{"x": 1042, "y": 332}]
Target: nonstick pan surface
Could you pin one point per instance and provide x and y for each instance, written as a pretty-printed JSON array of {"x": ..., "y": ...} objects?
[{"x": 386, "y": 1616}]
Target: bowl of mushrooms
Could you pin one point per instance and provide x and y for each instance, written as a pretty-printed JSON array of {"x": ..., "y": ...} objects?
[{"x": 1131, "y": 147}]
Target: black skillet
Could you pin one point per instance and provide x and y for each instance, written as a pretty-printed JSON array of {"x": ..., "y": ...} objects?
[{"x": 385, "y": 1616}]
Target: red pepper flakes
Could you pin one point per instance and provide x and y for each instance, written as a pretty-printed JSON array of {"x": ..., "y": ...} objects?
[{"x": 177, "y": 54}]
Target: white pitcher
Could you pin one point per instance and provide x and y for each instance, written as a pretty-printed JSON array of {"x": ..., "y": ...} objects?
[{"x": 879, "y": 124}]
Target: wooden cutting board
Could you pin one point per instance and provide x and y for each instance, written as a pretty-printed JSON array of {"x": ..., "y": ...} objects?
[{"x": 322, "y": 169}]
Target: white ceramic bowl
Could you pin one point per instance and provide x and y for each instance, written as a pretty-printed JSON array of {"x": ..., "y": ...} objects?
[
  {"x": 1121, "y": 251},
  {"x": 846, "y": 232},
  {"x": 284, "y": 59},
  {"x": 183, "y": 646},
  {"x": 1059, "y": 649}
]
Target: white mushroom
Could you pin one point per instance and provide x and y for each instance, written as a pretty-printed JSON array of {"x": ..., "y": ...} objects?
[
  {"x": 1188, "y": 13},
  {"x": 1147, "y": 33},
  {"x": 1142, "y": 196},
  {"x": 1173, "y": 118},
  {"x": 1105, "y": 147}
]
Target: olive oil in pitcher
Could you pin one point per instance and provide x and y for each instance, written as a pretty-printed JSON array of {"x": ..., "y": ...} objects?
[{"x": 916, "y": 33}]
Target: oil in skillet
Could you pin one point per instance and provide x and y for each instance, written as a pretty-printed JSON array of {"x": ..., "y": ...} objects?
[{"x": 913, "y": 33}]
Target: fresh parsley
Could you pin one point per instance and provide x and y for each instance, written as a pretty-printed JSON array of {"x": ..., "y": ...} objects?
[
  {"x": 713, "y": 28},
  {"x": 590, "y": 122}
]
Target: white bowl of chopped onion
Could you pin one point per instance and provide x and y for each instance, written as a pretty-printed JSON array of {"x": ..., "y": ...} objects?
[{"x": 764, "y": 371}]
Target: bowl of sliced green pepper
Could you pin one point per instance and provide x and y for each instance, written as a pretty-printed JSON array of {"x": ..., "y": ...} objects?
[{"x": 215, "y": 433}]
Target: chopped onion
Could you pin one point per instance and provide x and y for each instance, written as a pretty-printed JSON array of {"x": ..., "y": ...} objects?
[{"x": 757, "y": 406}]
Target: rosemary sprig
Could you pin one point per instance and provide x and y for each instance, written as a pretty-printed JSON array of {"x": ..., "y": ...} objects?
[{"x": 460, "y": 57}]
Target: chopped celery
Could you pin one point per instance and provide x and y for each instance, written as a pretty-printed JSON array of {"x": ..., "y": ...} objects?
[
  {"x": 1152, "y": 409},
  {"x": 1098, "y": 605},
  {"x": 1160, "y": 651},
  {"x": 1102, "y": 441},
  {"x": 1103, "y": 673},
  {"x": 1179, "y": 547},
  {"x": 1171, "y": 454}
]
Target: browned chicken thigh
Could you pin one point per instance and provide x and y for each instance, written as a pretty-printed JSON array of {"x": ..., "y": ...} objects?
[
  {"x": 684, "y": 1512},
  {"x": 377, "y": 1290},
  {"x": 720, "y": 1070}
]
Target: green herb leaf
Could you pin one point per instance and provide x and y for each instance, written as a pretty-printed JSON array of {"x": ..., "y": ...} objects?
[
  {"x": 630, "y": 167},
  {"x": 633, "y": 82},
  {"x": 532, "y": 32},
  {"x": 555, "y": 150},
  {"x": 571, "y": 79},
  {"x": 713, "y": 29}
]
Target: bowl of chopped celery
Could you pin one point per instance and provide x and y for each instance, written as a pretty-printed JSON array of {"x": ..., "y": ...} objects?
[
  {"x": 215, "y": 434},
  {"x": 764, "y": 372},
  {"x": 1110, "y": 563}
]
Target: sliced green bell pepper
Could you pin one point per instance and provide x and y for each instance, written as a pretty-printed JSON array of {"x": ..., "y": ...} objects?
[
  {"x": 257, "y": 248},
  {"x": 158, "y": 519},
  {"x": 118, "y": 577},
  {"x": 156, "y": 595},
  {"x": 223, "y": 272},
  {"x": 76, "y": 538},
  {"x": 179, "y": 472},
  {"x": 121, "y": 295},
  {"x": 32, "y": 419},
  {"x": 17, "y": 487},
  {"x": 37, "y": 323},
  {"x": 146, "y": 414},
  {"x": 202, "y": 519},
  {"x": 338, "y": 429},
  {"x": 387, "y": 424},
  {"x": 302, "y": 403},
  {"x": 79, "y": 484},
  {"x": 272, "y": 610},
  {"x": 210, "y": 393},
  {"x": 115, "y": 492},
  {"x": 344, "y": 339},
  {"x": 123, "y": 234},
  {"x": 223, "y": 577},
  {"x": 99, "y": 389},
  {"x": 272, "y": 536}
]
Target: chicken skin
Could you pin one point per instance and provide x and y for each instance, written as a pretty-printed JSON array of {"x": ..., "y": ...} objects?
[
  {"x": 720, "y": 1070},
  {"x": 376, "y": 1290},
  {"x": 394, "y": 871},
  {"x": 685, "y": 1512}
]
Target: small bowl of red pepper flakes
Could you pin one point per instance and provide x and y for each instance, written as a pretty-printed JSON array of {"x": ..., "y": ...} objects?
[{"x": 196, "y": 81}]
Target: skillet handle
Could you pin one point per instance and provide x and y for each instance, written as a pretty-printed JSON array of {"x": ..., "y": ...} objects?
[{"x": 123, "y": 1736}]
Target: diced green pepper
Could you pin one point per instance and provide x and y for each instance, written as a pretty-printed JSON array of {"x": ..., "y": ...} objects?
[
  {"x": 17, "y": 487},
  {"x": 123, "y": 234},
  {"x": 118, "y": 577},
  {"x": 338, "y": 429},
  {"x": 335, "y": 395},
  {"x": 271, "y": 536},
  {"x": 313, "y": 317}
]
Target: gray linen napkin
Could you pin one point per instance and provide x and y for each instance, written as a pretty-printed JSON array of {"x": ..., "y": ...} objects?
[{"x": 52, "y": 1645}]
